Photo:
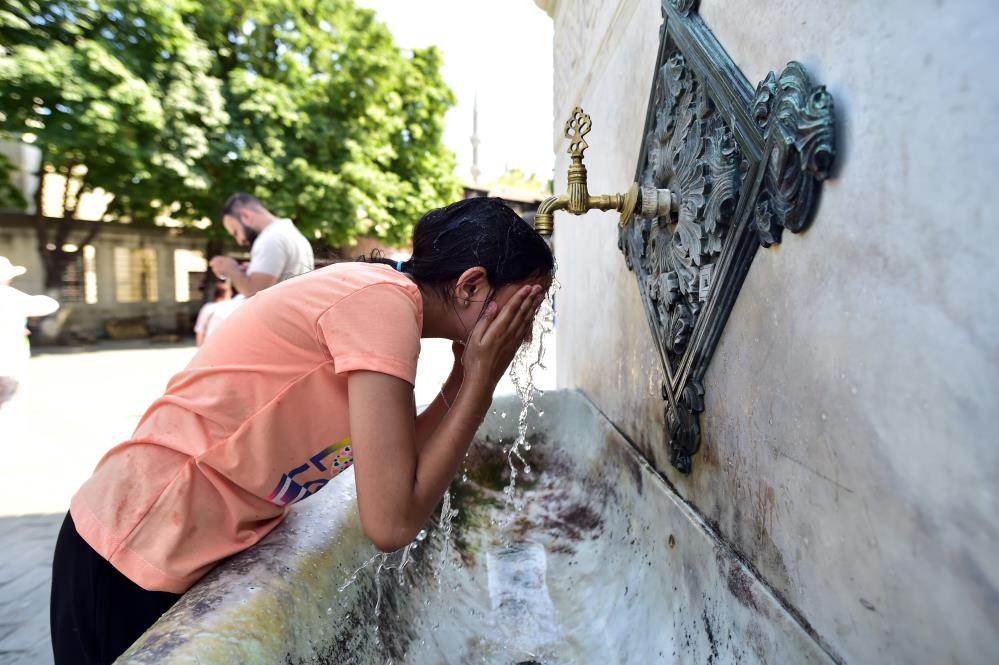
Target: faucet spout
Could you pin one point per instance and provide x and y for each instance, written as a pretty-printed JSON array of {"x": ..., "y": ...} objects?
[
  {"x": 544, "y": 219},
  {"x": 577, "y": 200}
]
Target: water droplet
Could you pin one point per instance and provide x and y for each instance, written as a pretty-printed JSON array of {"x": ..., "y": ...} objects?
[
  {"x": 541, "y": 414},
  {"x": 503, "y": 415},
  {"x": 329, "y": 611},
  {"x": 527, "y": 469}
]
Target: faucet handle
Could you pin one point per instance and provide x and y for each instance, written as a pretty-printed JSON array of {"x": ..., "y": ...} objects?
[
  {"x": 576, "y": 127},
  {"x": 648, "y": 202}
]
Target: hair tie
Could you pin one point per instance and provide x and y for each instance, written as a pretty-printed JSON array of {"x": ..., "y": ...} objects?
[{"x": 398, "y": 265}]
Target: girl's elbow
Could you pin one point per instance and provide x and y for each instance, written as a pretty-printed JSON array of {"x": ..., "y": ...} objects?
[
  {"x": 387, "y": 546},
  {"x": 389, "y": 538}
]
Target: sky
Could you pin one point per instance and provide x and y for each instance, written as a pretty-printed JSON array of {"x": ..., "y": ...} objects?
[{"x": 500, "y": 50}]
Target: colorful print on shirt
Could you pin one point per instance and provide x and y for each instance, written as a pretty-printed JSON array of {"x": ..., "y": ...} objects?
[{"x": 332, "y": 460}]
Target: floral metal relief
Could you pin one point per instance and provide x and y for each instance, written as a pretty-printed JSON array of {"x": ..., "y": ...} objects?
[
  {"x": 796, "y": 119},
  {"x": 734, "y": 194},
  {"x": 692, "y": 153},
  {"x": 684, "y": 6}
]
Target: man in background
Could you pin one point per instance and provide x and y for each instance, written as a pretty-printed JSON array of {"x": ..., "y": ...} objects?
[
  {"x": 15, "y": 308},
  {"x": 278, "y": 250}
]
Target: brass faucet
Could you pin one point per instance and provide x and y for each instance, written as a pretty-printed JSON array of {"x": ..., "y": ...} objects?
[{"x": 577, "y": 200}]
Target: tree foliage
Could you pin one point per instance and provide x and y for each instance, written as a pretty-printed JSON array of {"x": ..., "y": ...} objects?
[
  {"x": 517, "y": 179},
  {"x": 171, "y": 105},
  {"x": 10, "y": 196},
  {"x": 120, "y": 87}
]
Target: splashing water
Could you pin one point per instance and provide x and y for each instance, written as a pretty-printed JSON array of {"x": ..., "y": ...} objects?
[
  {"x": 353, "y": 577},
  {"x": 446, "y": 525},
  {"x": 387, "y": 561},
  {"x": 530, "y": 357},
  {"x": 398, "y": 561}
]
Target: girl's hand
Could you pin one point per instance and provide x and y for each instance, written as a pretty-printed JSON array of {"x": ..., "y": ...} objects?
[{"x": 497, "y": 336}]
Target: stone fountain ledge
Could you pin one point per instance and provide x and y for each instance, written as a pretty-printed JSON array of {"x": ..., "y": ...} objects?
[
  {"x": 265, "y": 604},
  {"x": 692, "y": 599}
]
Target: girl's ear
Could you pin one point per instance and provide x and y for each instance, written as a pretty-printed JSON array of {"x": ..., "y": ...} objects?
[{"x": 472, "y": 285}]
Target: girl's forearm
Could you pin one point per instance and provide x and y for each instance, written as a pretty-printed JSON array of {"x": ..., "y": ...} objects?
[
  {"x": 428, "y": 421},
  {"x": 441, "y": 454}
]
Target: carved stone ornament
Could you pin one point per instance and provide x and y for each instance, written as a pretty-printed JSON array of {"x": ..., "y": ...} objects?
[{"x": 744, "y": 166}]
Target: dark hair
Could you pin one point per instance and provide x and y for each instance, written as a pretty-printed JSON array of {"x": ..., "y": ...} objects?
[
  {"x": 480, "y": 231},
  {"x": 220, "y": 289},
  {"x": 239, "y": 201}
]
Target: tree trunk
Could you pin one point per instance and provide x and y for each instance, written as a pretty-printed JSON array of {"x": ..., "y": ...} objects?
[
  {"x": 51, "y": 236},
  {"x": 52, "y": 276}
]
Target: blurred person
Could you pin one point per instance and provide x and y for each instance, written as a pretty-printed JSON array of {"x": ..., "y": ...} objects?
[
  {"x": 212, "y": 314},
  {"x": 306, "y": 379},
  {"x": 15, "y": 309},
  {"x": 278, "y": 250}
]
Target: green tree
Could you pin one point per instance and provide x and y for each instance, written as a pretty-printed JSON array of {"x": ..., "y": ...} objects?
[
  {"x": 117, "y": 95},
  {"x": 517, "y": 179},
  {"x": 332, "y": 124},
  {"x": 10, "y": 196},
  {"x": 171, "y": 105}
]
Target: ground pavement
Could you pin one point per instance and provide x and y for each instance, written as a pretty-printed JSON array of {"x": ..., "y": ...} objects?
[{"x": 76, "y": 404}]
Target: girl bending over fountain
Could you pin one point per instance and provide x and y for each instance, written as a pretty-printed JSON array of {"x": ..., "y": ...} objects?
[{"x": 308, "y": 378}]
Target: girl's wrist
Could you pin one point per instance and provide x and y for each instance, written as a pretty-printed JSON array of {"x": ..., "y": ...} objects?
[
  {"x": 449, "y": 392},
  {"x": 477, "y": 393},
  {"x": 456, "y": 375},
  {"x": 455, "y": 379},
  {"x": 447, "y": 402}
]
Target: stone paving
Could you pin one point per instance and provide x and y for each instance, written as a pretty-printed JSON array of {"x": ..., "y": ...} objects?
[
  {"x": 75, "y": 405},
  {"x": 26, "y": 545}
]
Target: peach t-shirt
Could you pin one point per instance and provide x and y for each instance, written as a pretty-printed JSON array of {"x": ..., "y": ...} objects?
[{"x": 257, "y": 421}]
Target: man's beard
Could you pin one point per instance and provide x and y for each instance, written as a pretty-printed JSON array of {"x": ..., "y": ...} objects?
[{"x": 249, "y": 234}]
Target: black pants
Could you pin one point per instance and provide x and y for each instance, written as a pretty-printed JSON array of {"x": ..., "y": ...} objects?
[{"x": 96, "y": 612}]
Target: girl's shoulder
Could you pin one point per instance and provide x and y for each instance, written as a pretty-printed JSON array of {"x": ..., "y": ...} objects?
[
  {"x": 313, "y": 293},
  {"x": 353, "y": 276}
]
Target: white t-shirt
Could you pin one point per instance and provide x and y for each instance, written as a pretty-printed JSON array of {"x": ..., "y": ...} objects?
[
  {"x": 206, "y": 317},
  {"x": 282, "y": 251},
  {"x": 212, "y": 314},
  {"x": 15, "y": 308}
]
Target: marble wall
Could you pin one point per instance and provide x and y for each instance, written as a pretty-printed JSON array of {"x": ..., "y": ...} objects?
[{"x": 848, "y": 448}]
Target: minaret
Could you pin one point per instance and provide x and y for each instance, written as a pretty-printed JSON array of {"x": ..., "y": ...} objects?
[{"x": 475, "y": 141}]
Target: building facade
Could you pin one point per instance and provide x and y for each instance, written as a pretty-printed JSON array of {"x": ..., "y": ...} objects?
[{"x": 131, "y": 281}]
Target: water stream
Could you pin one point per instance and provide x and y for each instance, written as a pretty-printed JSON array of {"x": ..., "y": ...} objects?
[{"x": 521, "y": 613}]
